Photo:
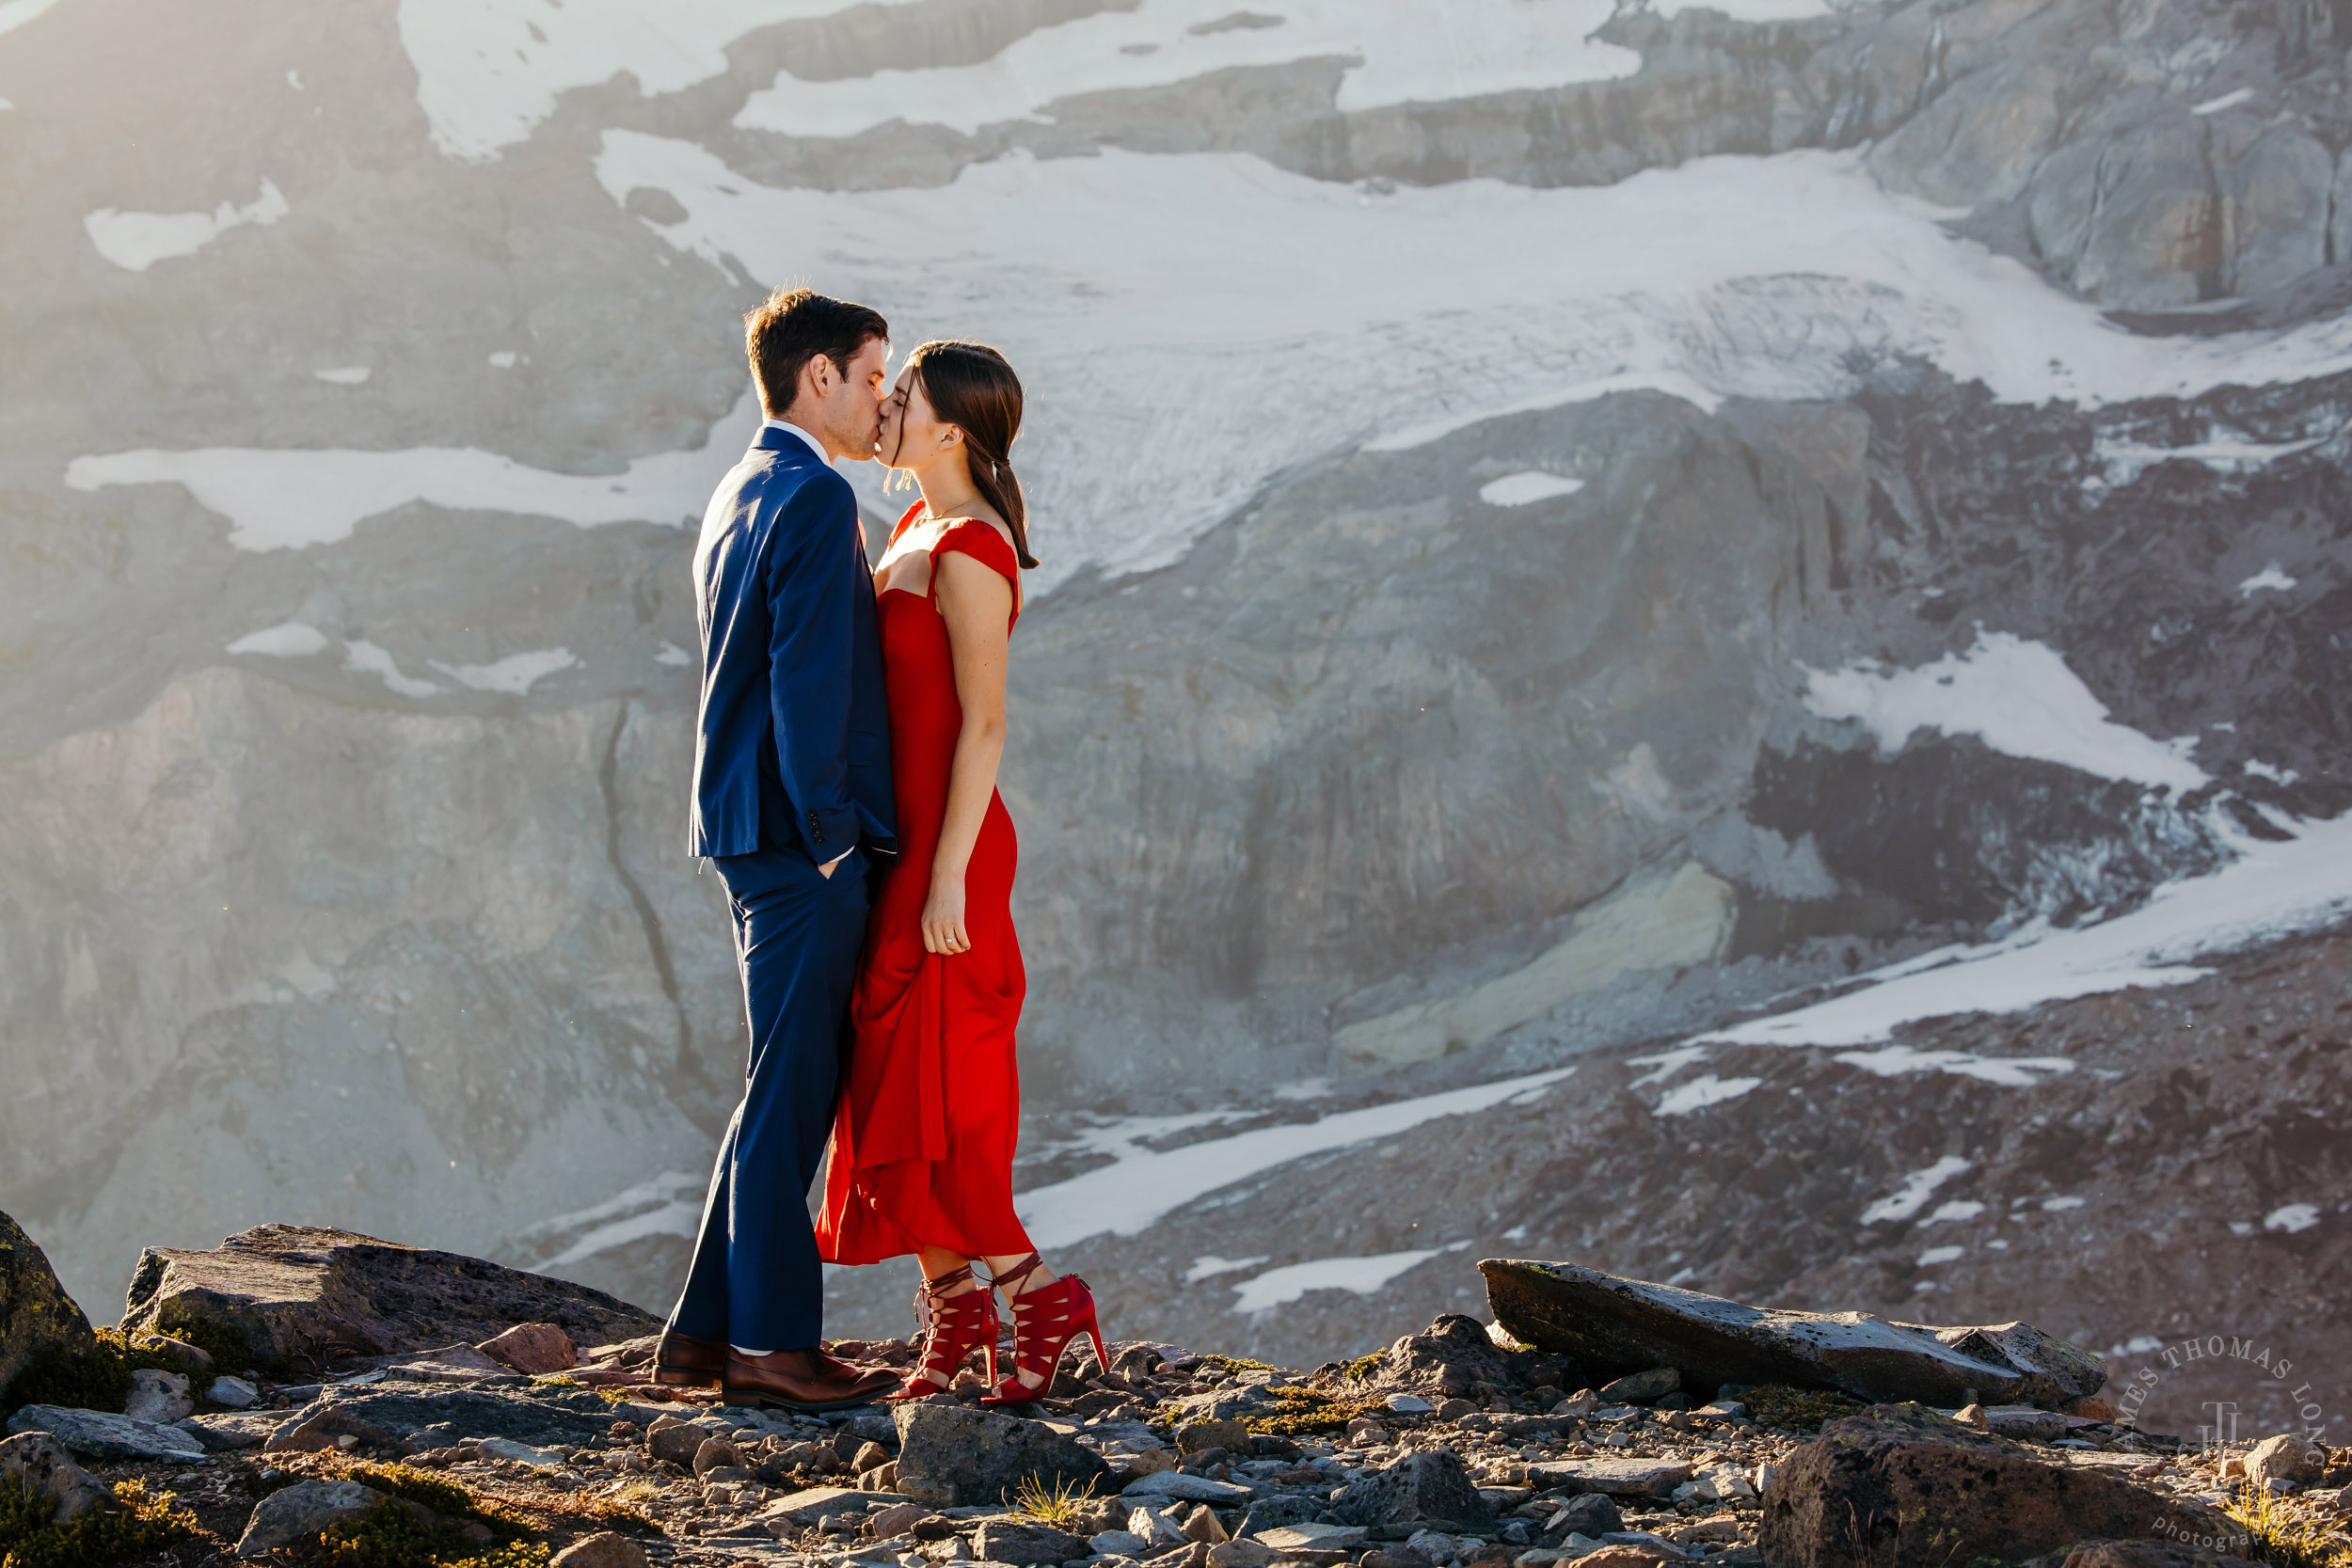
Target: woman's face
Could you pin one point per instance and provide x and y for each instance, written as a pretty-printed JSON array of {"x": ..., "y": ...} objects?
[{"x": 911, "y": 434}]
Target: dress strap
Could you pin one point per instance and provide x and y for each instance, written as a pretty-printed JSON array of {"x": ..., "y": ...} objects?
[
  {"x": 906, "y": 520},
  {"x": 982, "y": 542}
]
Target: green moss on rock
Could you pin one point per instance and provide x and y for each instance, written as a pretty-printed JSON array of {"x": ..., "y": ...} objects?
[{"x": 141, "y": 1524}]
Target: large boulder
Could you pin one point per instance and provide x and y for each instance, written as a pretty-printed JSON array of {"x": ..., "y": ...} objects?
[
  {"x": 1421, "y": 1488},
  {"x": 40, "y": 1464},
  {"x": 949, "y": 1455},
  {"x": 1903, "y": 1487},
  {"x": 101, "y": 1434},
  {"x": 301, "y": 1296},
  {"x": 300, "y": 1512},
  {"x": 1615, "y": 1325},
  {"x": 37, "y": 1317}
]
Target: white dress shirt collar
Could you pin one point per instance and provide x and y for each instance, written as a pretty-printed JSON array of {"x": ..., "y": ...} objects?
[{"x": 814, "y": 445}]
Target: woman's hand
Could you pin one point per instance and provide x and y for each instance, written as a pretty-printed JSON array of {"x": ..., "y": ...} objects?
[{"x": 943, "y": 916}]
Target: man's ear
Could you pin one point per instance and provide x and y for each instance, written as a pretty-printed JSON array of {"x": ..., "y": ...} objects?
[{"x": 817, "y": 379}]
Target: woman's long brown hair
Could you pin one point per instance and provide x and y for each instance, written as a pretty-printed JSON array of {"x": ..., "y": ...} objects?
[{"x": 970, "y": 386}]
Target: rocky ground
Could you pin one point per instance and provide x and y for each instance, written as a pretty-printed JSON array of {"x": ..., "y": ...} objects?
[{"x": 1461, "y": 1445}]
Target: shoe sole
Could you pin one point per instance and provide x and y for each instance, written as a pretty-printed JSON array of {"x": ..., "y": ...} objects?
[{"x": 683, "y": 1377}]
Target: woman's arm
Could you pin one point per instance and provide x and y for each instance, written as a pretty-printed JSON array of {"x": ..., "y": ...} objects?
[{"x": 977, "y": 604}]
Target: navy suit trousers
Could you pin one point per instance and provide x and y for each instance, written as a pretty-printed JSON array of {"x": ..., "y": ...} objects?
[{"x": 756, "y": 1280}]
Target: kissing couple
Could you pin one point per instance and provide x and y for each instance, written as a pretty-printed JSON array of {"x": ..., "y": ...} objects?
[{"x": 852, "y": 722}]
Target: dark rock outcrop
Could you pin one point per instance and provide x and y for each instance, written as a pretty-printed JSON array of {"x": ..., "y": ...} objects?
[
  {"x": 1902, "y": 1487},
  {"x": 305, "y": 1297},
  {"x": 949, "y": 1455},
  {"x": 37, "y": 1317},
  {"x": 1421, "y": 1488},
  {"x": 1631, "y": 1325}
]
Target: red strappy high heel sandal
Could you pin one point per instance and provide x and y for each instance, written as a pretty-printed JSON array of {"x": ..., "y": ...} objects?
[
  {"x": 953, "y": 1327},
  {"x": 1045, "y": 1322}
]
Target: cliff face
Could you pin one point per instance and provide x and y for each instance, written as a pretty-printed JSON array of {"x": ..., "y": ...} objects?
[{"x": 1560, "y": 533}]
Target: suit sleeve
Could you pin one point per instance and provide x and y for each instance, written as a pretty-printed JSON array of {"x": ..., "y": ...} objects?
[{"x": 812, "y": 583}]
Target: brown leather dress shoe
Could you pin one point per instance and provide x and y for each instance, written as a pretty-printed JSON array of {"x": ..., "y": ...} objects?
[
  {"x": 803, "y": 1380},
  {"x": 683, "y": 1361}
]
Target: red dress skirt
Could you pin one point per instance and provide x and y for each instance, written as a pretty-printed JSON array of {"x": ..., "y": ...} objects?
[{"x": 931, "y": 1106}]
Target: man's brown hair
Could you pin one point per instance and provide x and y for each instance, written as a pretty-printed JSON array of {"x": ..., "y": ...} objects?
[{"x": 791, "y": 326}]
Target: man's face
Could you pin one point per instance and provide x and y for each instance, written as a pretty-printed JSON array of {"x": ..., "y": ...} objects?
[{"x": 854, "y": 409}]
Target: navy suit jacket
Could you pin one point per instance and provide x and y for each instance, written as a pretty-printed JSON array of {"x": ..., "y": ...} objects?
[{"x": 793, "y": 746}]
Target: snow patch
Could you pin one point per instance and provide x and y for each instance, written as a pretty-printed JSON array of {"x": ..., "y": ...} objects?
[
  {"x": 291, "y": 498},
  {"x": 1907, "y": 1199},
  {"x": 1400, "y": 51},
  {"x": 288, "y": 639},
  {"x": 2227, "y": 101},
  {"x": 2018, "y": 697},
  {"x": 670, "y": 653},
  {"x": 2125, "y": 461},
  {"x": 1209, "y": 1265},
  {"x": 668, "y": 1204},
  {"x": 1935, "y": 1255},
  {"x": 1673, "y": 383},
  {"x": 136, "y": 241},
  {"x": 515, "y": 675},
  {"x": 488, "y": 70},
  {"x": 1524, "y": 489},
  {"x": 2270, "y": 576},
  {"x": 345, "y": 375},
  {"x": 2291, "y": 1218},
  {"x": 1142, "y": 1185},
  {"x": 504, "y": 359},
  {"x": 1700, "y": 1092},
  {"x": 2271, "y": 889},
  {"x": 15, "y": 13},
  {"x": 1665, "y": 1064},
  {"x": 2057, "y": 1205},
  {"x": 1364, "y": 1275},
  {"x": 2015, "y": 1072},
  {"x": 1958, "y": 1209},
  {"x": 2252, "y": 768},
  {"x": 366, "y": 658},
  {"x": 1112, "y": 283}
]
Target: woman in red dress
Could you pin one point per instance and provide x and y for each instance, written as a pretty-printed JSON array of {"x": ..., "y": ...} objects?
[{"x": 922, "y": 1150}]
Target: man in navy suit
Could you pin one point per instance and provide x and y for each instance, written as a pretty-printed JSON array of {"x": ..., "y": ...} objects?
[{"x": 792, "y": 806}]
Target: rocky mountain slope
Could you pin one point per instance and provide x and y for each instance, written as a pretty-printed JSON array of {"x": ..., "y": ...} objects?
[{"x": 1566, "y": 528}]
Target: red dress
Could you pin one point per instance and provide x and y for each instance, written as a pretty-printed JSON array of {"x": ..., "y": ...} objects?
[{"x": 930, "y": 1107}]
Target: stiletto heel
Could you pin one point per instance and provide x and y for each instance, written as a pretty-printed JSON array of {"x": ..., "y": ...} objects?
[
  {"x": 1045, "y": 1322},
  {"x": 953, "y": 1327}
]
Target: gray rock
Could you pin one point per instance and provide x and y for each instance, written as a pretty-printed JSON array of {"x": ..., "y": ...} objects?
[
  {"x": 37, "y": 1317},
  {"x": 1979, "y": 141},
  {"x": 1175, "y": 1484},
  {"x": 1027, "y": 1544},
  {"x": 1592, "y": 1513},
  {"x": 101, "y": 1435},
  {"x": 234, "y": 1393},
  {"x": 1614, "y": 1323},
  {"x": 41, "y": 1463},
  {"x": 323, "y": 1427},
  {"x": 674, "y": 1441},
  {"x": 1618, "y": 1478},
  {"x": 1230, "y": 1434},
  {"x": 158, "y": 1396},
  {"x": 230, "y": 1433},
  {"x": 950, "y": 1455},
  {"x": 1409, "y": 1405},
  {"x": 1432, "y": 1486},
  {"x": 606, "y": 1550},
  {"x": 1640, "y": 1387},
  {"x": 524, "y": 1453},
  {"x": 1284, "y": 1508},
  {"x": 714, "y": 1453},
  {"x": 2274, "y": 205},
  {"x": 817, "y": 1504},
  {"x": 298, "y": 1513},
  {"x": 2289, "y": 1456},
  {"x": 1117, "y": 1543},
  {"x": 1314, "y": 1536},
  {"x": 294, "y": 1291}
]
